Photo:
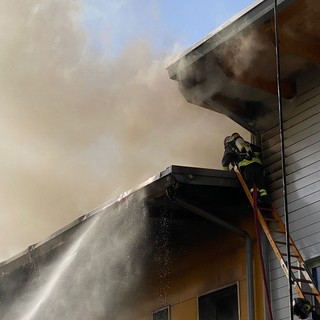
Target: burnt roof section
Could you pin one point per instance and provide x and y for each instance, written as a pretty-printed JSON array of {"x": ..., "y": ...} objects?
[
  {"x": 233, "y": 69},
  {"x": 219, "y": 192}
]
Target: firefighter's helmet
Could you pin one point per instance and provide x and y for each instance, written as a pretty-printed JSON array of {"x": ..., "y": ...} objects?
[
  {"x": 302, "y": 308},
  {"x": 235, "y": 135}
]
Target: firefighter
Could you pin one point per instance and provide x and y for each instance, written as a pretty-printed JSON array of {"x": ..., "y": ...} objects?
[{"x": 247, "y": 157}]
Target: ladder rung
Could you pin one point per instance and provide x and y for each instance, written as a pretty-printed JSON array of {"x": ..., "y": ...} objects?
[
  {"x": 275, "y": 231},
  {"x": 302, "y": 280},
  {"x": 278, "y": 231},
  {"x": 265, "y": 209},
  {"x": 269, "y": 219},
  {"x": 291, "y": 255},
  {"x": 282, "y": 242},
  {"x": 298, "y": 268},
  {"x": 310, "y": 293}
]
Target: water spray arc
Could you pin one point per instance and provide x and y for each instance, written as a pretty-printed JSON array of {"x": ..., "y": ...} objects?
[
  {"x": 88, "y": 270},
  {"x": 62, "y": 266}
]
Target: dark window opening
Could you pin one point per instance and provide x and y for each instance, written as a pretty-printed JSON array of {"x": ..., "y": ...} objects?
[
  {"x": 316, "y": 275},
  {"x": 219, "y": 305},
  {"x": 162, "y": 314},
  {"x": 316, "y": 278}
]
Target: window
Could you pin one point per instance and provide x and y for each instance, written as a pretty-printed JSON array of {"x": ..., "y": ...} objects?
[
  {"x": 219, "y": 305},
  {"x": 316, "y": 275},
  {"x": 314, "y": 267},
  {"x": 161, "y": 314},
  {"x": 316, "y": 278}
]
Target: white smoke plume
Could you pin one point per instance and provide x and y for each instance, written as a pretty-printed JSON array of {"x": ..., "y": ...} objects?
[{"x": 79, "y": 127}]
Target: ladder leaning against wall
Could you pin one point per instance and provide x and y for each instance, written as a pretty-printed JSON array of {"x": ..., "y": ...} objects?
[{"x": 273, "y": 227}]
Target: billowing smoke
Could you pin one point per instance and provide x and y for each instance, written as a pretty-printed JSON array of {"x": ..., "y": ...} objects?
[{"x": 78, "y": 127}]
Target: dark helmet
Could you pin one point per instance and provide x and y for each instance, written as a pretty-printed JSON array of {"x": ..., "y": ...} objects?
[
  {"x": 235, "y": 135},
  {"x": 302, "y": 308},
  {"x": 227, "y": 140}
]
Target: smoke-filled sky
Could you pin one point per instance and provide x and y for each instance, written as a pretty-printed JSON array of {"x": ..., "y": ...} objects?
[{"x": 87, "y": 109}]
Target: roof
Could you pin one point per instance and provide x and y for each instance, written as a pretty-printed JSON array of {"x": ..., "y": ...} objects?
[
  {"x": 233, "y": 69},
  {"x": 216, "y": 191}
]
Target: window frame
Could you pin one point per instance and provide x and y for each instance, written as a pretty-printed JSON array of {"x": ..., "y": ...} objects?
[
  {"x": 161, "y": 309},
  {"x": 312, "y": 264},
  {"x": 236, "y": 284}
]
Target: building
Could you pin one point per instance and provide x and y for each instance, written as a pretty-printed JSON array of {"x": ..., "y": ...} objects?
[
  {"x": 233, "y": 71},
  {"x": 157, "y": 250},
  {"x": 183, "y": 246}
]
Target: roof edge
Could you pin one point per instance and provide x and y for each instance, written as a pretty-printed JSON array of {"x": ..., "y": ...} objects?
[
  {"x": 260, "y": 10},
  {"x": 88, "y": 215}
]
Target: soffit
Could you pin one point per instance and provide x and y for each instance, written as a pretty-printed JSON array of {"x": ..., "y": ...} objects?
[{"x": 233, "y": 71}]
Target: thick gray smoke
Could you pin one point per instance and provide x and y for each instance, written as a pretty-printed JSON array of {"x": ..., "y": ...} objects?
[{"x": 78, "y": 128}]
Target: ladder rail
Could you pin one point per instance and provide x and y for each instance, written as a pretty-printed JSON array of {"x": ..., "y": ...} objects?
[{"x": 279, "y": 255}]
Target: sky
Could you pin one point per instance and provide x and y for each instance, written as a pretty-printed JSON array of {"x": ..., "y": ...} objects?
[
  {"x": 87, "y": 109},
  {"x": 162, "y": 23}
]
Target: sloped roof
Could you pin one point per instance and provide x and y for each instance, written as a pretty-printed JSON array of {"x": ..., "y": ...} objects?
[{"x": 216, "y": 191}]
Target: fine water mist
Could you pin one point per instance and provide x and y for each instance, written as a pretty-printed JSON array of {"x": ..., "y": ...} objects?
[{"x": 96, "y": 275}]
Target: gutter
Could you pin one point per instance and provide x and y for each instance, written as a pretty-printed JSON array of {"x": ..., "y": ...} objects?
[{"x": 248, "y": 245}]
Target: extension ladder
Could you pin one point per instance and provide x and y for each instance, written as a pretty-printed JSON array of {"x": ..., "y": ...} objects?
[{"x": 298, "y": 266}]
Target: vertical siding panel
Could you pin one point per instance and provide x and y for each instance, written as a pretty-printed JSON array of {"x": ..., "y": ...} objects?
[{"x": 302, "y": 150}]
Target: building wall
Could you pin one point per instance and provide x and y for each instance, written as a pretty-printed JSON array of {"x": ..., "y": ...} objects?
[
  {"x": 302, "y": 149},
  {"x": 202, "y": 269}
]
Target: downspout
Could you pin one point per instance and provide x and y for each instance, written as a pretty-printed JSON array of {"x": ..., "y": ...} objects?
[
  {"x": 248, "y": 245},
  {"x": 283, "y": 158},
  {"x": 265, "y": 252}
]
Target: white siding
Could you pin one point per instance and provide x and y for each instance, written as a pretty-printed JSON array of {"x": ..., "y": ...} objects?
[{"x": 302, "y": 149}]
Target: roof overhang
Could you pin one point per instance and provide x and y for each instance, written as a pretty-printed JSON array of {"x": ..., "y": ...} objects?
[{"x": 233, "y": 69}]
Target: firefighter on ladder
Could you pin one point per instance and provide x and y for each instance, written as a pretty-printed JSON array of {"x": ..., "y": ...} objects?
[{"x": 247, "y": 157}]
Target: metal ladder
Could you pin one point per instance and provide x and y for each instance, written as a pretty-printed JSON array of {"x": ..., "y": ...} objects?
[{"x": 298, "y": 266}]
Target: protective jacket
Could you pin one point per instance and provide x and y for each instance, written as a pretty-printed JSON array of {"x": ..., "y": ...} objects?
[
  {"x": 247, "y": 157},
  {"x": 233, "y": 155}
]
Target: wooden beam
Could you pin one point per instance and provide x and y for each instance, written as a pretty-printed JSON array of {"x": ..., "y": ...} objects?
[
  {"x": 250, "y": 60},
  {"x": 288, "y": 88},
  {"x": 254, "y": 80},
  {"x": 297, "y": 43}
]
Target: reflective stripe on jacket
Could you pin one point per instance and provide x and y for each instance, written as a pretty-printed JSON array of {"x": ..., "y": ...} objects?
[{"x": 246, "y": 162}]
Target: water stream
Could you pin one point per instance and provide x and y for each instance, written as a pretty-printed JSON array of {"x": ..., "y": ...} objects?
[
  {"x": 62, "y": 266},
  {"x": 91, "y": 278}
]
